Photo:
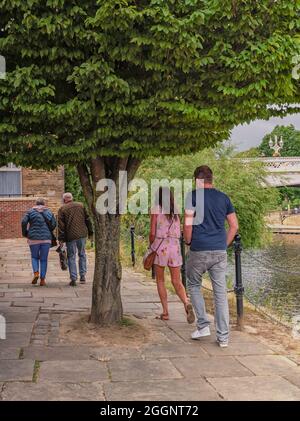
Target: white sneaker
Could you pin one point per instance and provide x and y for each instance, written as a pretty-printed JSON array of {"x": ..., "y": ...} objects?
[
  {"x": 223, "y": 344},
  {"x": 201, "y": 333}
]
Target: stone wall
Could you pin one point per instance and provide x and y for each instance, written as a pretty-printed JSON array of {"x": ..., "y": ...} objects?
[{"x": 47, "y": 184}]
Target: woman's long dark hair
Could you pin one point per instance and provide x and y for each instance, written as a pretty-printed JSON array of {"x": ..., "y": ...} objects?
[{"x": 167, "y": 208}]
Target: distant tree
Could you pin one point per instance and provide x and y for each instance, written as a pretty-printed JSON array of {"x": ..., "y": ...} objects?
[
  {"x": 72, "y": 183},
  {"x": 104, "y": 84},
  {"x": 291, "y": 147},
  {"x": 249, "y": 153},
  {"x": 242, "y": 182},
  {"x": 290, "y": 136}
]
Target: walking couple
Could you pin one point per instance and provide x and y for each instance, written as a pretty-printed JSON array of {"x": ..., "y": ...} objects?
[
  {"x": 74, "y": 226},
  {"x": 208, "y": 243}
]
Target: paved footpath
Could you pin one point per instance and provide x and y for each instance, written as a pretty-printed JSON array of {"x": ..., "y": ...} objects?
[{"x": 35, "y": 365}]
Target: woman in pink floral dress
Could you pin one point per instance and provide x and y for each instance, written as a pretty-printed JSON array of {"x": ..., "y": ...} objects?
[{"x": 165, "y": 240}]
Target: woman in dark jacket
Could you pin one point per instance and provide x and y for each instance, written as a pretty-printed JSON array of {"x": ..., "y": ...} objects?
[{"x": 35, "y": 228}]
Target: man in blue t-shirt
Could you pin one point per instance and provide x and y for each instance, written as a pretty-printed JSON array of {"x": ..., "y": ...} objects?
[{"x": 206, "y": 211}]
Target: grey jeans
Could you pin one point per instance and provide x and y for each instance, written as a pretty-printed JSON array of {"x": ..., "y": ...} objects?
[
  {"x": 74, "y": 247},
  {"x": 215, "y": 263}
]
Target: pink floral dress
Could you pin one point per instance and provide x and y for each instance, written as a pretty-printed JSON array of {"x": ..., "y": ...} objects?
[{"x": 168, "y": 253}]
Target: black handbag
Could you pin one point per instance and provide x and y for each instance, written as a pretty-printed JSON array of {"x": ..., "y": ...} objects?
[{"x": 53, "y": 238}]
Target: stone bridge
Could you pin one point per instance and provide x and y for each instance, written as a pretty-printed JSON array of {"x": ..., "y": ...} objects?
[{"x": 282, "y": 171}]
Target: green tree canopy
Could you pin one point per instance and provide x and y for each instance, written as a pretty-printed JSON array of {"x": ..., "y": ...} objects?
[
  {"x": 243, "y": 182},
  {"x": 291, "y": 139},
  {"x": 103, "y": 84}
]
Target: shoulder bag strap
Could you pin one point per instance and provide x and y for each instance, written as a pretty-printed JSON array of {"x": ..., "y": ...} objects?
[
  {"x": 47, "y": 222},
  {"x": 165, "y": 237}
]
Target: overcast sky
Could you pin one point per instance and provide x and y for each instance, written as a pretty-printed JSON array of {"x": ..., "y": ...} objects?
[{"x": 246, "y": 136}]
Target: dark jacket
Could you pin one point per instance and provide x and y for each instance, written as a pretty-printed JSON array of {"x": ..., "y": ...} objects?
[
  {"x": 34, "y": 226},
  {"x": 73, "y": 222}
]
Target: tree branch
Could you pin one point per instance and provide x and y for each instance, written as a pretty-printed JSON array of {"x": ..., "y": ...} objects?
[
  {"x": 132, "y": 167},
  {"x": 98, "y": 169},
  {"x": 86, "y": 185}
]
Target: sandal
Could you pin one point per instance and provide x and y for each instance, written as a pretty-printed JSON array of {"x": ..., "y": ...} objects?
[
  {"x": 190, "y": 315},
  {"x": 163, "y": 316}
]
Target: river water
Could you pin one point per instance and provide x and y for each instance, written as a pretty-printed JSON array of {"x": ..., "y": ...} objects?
[{"x": 272, "y": 276}]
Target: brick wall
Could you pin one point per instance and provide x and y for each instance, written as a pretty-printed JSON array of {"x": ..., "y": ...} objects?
[
  {"x": 46, "y": 184},
  {"x": 11, "y": 213}
]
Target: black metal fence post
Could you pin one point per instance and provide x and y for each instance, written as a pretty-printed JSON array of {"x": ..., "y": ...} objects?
[
  {"x": 132, "y": 245},
  {"x": 182, "y": 246},
  {"x": 238, "y": 288}
]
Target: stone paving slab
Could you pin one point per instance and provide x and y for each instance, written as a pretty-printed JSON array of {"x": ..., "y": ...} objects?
[
  {"x": 148, "y": 298},
  {"x": 14, "y": 339},
  {"x": 61, "y": 301},
  {"x": 76, "y": 371},
  {"x": 51, "y": 391},
  {"x": 19, "y": 327},
  {"x": 269, "y": 364},
  {"x": 14, "y": 370},
  {"x": 57, "y": 353},
  {"x": 12, "y": 316},
  {"x": 138, "y": 369},
  {"x": 171, "y": 336},
  {"x": 239, "y": 348},
  {"x": 8, "y": 289},
  {"x": 171, "y": 351},
  {"x": 295, "y": 358},
  {"x": 172, "y": 367},
  {"x": 130, "y": 307},
  {"x": 255, "y": 388},
  {"x": 53, "y": 292},
  {"x": 163, "y": 390},
  {"x": 9, "y": 353},
  {"x": 29, "y": 303},
  {"x": 193, "y": 367},
  {"x": 185, "y": 331},
  {"x": 114, "y": 353},
  {"x": 21, "y": 294},
  {"x": 293, "y": 378},
  {"x": 4, "y": 304}
]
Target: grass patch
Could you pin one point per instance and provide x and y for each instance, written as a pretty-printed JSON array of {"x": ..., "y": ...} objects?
[
  {"x": 90, "y": 245},
  {"x": 127, "y": 322},
  {"x": 36, "y": 370}
]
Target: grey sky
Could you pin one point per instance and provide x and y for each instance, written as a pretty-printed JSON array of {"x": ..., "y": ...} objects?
[{"x": 246, "y": 136}]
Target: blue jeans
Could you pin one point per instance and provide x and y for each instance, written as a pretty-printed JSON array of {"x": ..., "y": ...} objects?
[
  {"x": 72, "y": 248},
  {"x": 215, "y": 263},
  {"x": 39, "y": 258}
]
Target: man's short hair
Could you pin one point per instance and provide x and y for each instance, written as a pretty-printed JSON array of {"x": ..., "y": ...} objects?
[
  {"x": 204, "y": 173},
  {"x": 67, "y": 197}
]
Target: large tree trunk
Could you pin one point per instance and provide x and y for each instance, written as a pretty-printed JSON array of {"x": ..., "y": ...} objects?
[{"x": 106, "y": 298}]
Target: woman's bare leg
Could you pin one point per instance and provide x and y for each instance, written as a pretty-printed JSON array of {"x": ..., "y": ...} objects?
[
  {"x": 177, "y": 284},
  {"x": 180, "y": 291},
  {"x": 161, "y": 288}
]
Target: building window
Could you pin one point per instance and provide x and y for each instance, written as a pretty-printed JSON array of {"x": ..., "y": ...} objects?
[{"x": 10, "y": 181}]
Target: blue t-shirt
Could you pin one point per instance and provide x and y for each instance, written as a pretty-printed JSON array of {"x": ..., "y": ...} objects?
[{"x": 212, "y": 208}]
